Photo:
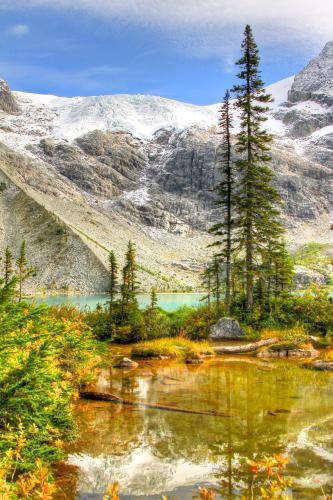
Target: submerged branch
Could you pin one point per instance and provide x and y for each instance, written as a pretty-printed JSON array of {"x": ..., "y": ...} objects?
[{"x": 105, "y": 396}]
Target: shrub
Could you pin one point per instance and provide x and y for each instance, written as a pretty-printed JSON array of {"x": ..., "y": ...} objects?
[
  {"x": 294, "y": 335},
  {"x": 43, "y": 359},
  {"x": 193, "y": 322}
]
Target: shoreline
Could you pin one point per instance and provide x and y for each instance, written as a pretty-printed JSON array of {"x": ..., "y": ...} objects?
[{"x": 77, "y": 294}]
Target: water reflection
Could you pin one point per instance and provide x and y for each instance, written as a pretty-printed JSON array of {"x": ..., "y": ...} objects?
[{"x": 273, "y": 408}]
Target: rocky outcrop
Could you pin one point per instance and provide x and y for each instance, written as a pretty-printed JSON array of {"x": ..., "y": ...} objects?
[
  {"x": 62, "y": 260},
  {"x": 290, "y": 352},
  {"x": 322, "y": 365},
  {"x": 8, "y": 103},
  {"x": 315, "y": 81},
  {"x": 102, "y": 164},
  {"x": 305, "y": 277},
  {"x": 226, "y": 328}
]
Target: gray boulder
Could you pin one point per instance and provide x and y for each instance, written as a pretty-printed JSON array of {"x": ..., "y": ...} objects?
[
  {"x": 322, "y": 365},
  {"x": 226, "y": 328}
]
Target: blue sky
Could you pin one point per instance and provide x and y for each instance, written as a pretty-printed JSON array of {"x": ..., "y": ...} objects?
[{"x": 181, "y": 49}]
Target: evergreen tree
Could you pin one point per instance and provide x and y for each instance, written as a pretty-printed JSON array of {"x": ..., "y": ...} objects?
[
  {"x": 9, "y": 270},
  {"x": 113, "y": 273},
  {"x": 225, "y": 194},
  {"x": 23, "y": 270},
  {"x": 213, "y": 275},
  {"x": 130, "y": 284},
  {"x": 153, "y": 299},
  {"x": 256, "y": 198},
  {"x": 207, "y": 279},
  {"x": 283, "y": 269}
]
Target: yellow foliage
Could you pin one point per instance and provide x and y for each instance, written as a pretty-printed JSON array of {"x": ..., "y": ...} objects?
[
  {"x": 174, "y": 347},
  {"x": 112, "y": 492}
]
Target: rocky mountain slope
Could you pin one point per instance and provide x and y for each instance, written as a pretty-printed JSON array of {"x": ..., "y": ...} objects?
[{"x": 82, "y": 175}]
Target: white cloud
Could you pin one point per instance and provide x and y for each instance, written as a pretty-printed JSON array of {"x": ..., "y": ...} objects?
[
  {"x": 208, "y": 27},
  {"x": 19, "y": 30}
]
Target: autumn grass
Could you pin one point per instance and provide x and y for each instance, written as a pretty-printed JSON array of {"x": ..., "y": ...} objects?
[
  {"x": 175, "y": 347},
  {"x": 295, "y": 335},
  {"x": 328, "y": 355}
]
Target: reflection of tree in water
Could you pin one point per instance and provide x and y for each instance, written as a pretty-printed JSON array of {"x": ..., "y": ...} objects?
[{"x": 267, "y": 409}]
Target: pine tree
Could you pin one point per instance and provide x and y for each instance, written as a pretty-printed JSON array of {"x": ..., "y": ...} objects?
[
  {"x": 9, "y": 270},
  {"x": 113, "y": 274},
  {"x": 283, "y": 269},
  {"x": 153, "y": 299},
  {"x": 130, "y": 284},
  {"x": 23, "y": 270},
  {"x": 256, "y": 198},
  {"x": 207, "y": 279},
  {"x": 225, "y": 194},
  {"x": 215, "y": 270}
]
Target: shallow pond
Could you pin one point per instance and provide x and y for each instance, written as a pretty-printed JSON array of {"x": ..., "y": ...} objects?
[
  {"x": 268, "y": 407},
  {"x": 168, "y": 301}
]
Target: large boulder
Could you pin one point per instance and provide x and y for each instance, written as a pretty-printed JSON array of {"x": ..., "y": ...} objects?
[{"x": 226, "y": 328}]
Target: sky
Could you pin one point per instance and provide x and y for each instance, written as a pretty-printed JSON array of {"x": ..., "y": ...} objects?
[{"x": 179, "y": 49}]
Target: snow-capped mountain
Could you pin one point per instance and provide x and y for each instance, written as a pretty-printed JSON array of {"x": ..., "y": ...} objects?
[
  {"x": 81, "y": 175},
  {"x": 141, "y": 115}
]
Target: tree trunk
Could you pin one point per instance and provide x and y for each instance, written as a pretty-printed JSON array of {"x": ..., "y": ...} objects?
[{"x": 236, "y": 349}]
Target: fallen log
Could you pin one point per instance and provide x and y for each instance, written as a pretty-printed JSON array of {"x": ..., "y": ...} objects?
[
  {"x": 253, "y": 346},
  {"x": 106, "y": 396}
]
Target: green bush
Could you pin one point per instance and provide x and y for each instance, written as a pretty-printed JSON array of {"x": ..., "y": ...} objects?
[
  {"x": 43, "y": 359},
  {"x": 312, "y": 310}
]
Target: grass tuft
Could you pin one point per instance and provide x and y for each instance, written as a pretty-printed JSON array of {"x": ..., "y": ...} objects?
[{"x": 176, "y": 347}]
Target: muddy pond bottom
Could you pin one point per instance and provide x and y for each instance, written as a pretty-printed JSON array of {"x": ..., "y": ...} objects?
[{"x": 267, "y": 407}]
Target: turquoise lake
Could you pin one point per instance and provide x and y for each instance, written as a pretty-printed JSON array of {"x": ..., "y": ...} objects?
[{"x": 168, "y": 301}]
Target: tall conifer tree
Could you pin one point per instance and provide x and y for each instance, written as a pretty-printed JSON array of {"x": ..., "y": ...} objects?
[
  {"x": 256, "y": 197},
  {"x": 23, "y": 270},
  {"x": 130, "y": 284},
  {"x": 113, "y": 274},
  {"x": 225, "y": 194},
  {"x": 8, "y": 265},
  {"x": 153, "y": 299}
]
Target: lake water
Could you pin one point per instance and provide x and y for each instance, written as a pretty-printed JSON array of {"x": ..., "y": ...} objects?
[
  {"x": 270, "y": 407},
  {"x": 168, "y": 301}
]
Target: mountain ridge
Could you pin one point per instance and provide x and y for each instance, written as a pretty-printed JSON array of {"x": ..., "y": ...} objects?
[{"x": 113, "y": 168}]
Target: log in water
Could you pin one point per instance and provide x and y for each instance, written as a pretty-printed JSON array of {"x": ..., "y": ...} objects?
[
  {"x": 237, "y": 349},
  {"x": 106, "y": 396}
]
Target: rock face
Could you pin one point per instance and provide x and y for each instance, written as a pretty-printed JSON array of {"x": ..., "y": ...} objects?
[
  {"x": 226, "y": 328},
  {"x": 315, "y": 81},
  {"x": 305, "y": 277},
  {"x": 8, "y": 103},
  {"x": 308, "y": 110}
]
